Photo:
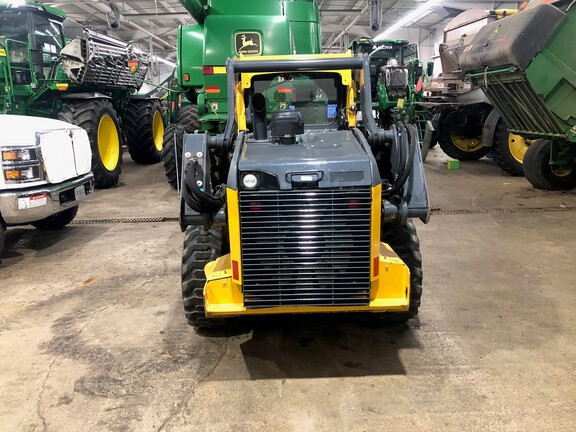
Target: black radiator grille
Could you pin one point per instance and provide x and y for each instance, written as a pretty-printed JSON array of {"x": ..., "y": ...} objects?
[
  {"x": 523, "y": 109},
  {"x": 306, "y": 247}
]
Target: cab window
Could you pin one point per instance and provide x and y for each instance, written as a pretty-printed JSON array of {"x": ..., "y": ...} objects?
[{"x": 315, "y": 95}]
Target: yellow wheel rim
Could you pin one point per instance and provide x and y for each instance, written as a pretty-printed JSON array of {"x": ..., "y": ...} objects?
[
  {"x": 158, "y": 130},
  {"x": 561, "y": 171},
  {"x": 108, "y": 143},
  {"x": 466, "y": 144},
  {"x": 518, "y": 146}
]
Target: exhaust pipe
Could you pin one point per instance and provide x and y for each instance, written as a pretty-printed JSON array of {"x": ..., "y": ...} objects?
[{"x": 259, "y": 117}]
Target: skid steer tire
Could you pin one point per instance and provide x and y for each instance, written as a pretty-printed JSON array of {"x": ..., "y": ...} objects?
[
  {"x": 403, "y": 239},
  {"x": 200, "y": 247},
  {"x": 188, "y": 117},
  {"x": 509, "y": 150},
  {"x": 102, "y": 124},
  {"x": 58, "y": 220},
  {"x": 541, "y": 174},
  {"x": 144, "y": 128},
  {"x": 172, "y": 153}
]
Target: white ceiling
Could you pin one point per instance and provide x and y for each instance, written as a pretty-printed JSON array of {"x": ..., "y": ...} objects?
[{"x": 156, "y": 21}]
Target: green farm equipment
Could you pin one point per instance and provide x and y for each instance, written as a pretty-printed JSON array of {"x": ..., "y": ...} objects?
[
  {"x": 467, "y": 125},
  {"x": 526, "y": 65},
  {"x": 396, "y": 76},
  {"x": 227, "y": 29},
  {"x": 51, "y": 67}
]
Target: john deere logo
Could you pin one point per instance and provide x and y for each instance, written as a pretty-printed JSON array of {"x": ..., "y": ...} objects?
[{"x": 248, "y": 43}]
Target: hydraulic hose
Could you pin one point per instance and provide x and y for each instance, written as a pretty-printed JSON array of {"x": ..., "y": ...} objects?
[
  {"x": 408, "y": 138},
  {"x": 196, "y": 196}
]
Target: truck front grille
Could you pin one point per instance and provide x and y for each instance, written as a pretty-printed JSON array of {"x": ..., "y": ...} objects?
[{"x": 306, "y": 247}]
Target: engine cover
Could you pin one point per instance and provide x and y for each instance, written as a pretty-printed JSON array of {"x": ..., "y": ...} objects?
[{"x": 318, "y": 159}]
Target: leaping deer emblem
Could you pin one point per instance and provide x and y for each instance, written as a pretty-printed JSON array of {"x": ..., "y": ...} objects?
[{"x": 247, "y": 42}]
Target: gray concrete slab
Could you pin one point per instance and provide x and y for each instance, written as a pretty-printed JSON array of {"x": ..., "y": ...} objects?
[{"x": 93, "y": 337}]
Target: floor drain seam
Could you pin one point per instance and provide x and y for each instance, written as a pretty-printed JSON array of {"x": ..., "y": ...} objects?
[
  {"x": 123, "y": 220},
  {"x": 440, "y": 212},
  {"x": 433, "y": 212}
]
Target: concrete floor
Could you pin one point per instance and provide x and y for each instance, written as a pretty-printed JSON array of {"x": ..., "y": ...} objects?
[{"x": 93, "y": 338}]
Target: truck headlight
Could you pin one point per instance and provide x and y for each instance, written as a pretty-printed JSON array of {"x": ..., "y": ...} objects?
[
  {"x": 21, "y": 164},
  {"x": 19, "y": 155},
  {"x": 18, "y": 174}
]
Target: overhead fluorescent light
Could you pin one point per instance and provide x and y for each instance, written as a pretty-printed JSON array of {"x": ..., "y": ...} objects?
[
  {"x": 419, "y": 13},
  {"x": 166, "y": 62},
  {"x": 159, "y": 59}
]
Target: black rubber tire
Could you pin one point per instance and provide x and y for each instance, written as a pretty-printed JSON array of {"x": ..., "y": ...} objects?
[
  {"x": 2, "y": 239},
  {"x": 450, "y": 148},
  {"x": 539, "y": 172},
  {"x": 188, "y": 117},
  {"x": 139, "y": 127},
  {"x": 58, "y": 220},
  {"x": 172, "y": 153},
  {"x": 403, "y": 239},
  {"x": 200, "y": 247},
  {"x": 501, "y": 151},
  {"x": 88, "y": 114}
]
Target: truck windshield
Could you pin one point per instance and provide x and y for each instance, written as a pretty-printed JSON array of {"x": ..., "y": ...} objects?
[
  {"x": 314, "y": 95},
  {"x": 13, "y": 25}
]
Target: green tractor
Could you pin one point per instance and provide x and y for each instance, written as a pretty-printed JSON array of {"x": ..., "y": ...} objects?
[
  {"x": 228, "y": 28},
  {"x": 526, "y": 65},
  {"x": 52, "y": 67},
  {"x": 396, "y": 76}
]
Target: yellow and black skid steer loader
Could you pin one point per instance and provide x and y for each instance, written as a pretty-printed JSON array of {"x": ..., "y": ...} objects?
[{"x": 299, "y": 206}]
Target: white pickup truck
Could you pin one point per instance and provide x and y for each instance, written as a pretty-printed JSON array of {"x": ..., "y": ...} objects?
[{"x": 44, "y": 172}]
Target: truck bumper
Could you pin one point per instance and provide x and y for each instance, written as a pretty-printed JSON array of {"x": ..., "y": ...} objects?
[
  {"x": 22, "y": 206},
  {"x": 389, "y": 292}
]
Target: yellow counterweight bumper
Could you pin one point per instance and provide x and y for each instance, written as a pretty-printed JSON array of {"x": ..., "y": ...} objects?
[{"x": 389, "y": 292}]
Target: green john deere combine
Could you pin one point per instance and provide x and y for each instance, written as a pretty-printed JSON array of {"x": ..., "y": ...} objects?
[
  {"x": 52, "y": 67},
  {"x": 526, "y": 64},
  {"x": 227, "y": 29}
]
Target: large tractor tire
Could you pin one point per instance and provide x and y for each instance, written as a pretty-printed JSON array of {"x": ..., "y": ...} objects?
[
  {"x": 461, "y": 140},
  {"x": 173, "y": 141},
  {"x": 100, "y": 120},
  {"x": 509, "y": 149},
  {"x": 200, "y": 247},
  {"x": 58, "y": 220},
  {"x": 403, "y": 239},
  {"x": 172, "y": 153},
  {"x": 188, "y": 117},
  {"x": 541, "y": 174},
  {"x": 144, "y": 128}
]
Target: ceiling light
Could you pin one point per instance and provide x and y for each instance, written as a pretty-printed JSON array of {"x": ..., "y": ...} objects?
[{"x": 419, "y": 13}]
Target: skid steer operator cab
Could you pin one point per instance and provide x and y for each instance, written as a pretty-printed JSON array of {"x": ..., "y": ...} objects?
[{"x": 298, "y": 208}]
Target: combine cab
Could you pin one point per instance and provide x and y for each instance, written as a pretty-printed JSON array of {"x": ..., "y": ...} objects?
[{"x": 526, "y": 65}]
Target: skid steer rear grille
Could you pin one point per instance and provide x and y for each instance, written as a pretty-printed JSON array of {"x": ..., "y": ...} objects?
[{"x": 306, "y": 247}]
